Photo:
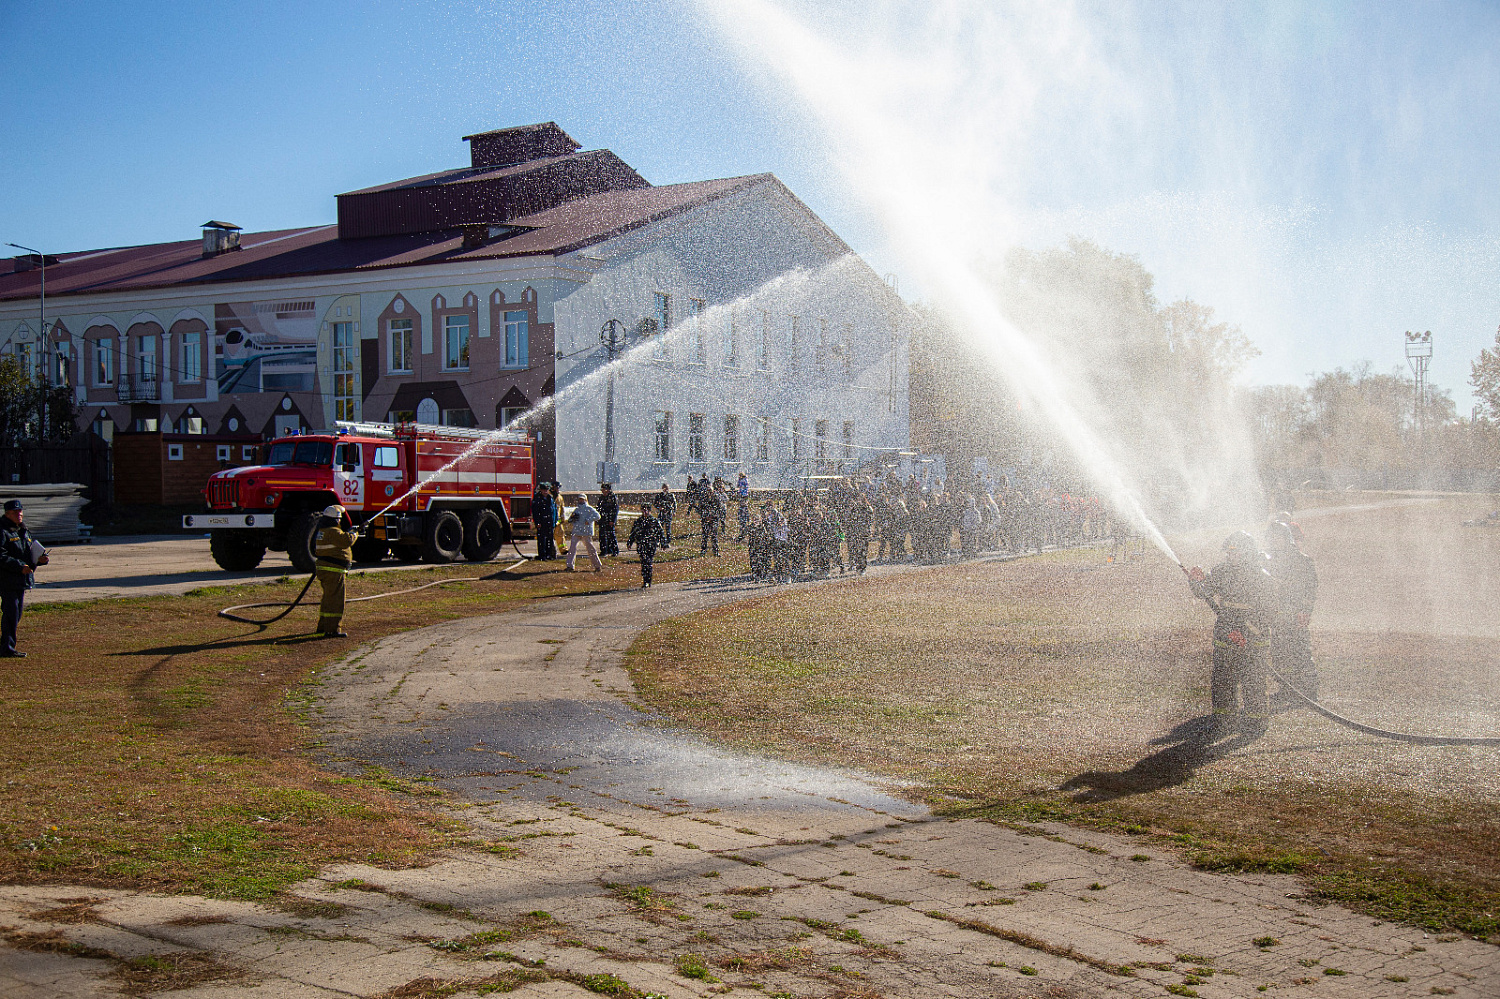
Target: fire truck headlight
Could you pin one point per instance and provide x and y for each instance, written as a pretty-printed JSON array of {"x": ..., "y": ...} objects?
[
  {"x": 249, "y": 520},
  {"x": 272, "y": 499},
  {"x": 189, "y": 521}
]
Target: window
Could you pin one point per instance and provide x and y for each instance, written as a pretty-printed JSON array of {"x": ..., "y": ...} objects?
[
  {"x": 823, "y": 344},
  {"x": 511, "y": 414},
  {"x": 65, "y": 364},
  {"x": 517, "y": 339},
  {"x": 763, "y": 440},
  {"x": 192, "y": 357},
  {"x": 223, "y": 452},
  {"x": 794, "y": 342},
  {"x": 23, "y": 358},
  {"x": 846, "y": 347},
  {"x": 344, "y": 389},
  {"x": 174, "y": 452},
  {"x": 796, "y": 439},
  {"x": 732, "y": 349},
  {"x": 700, "y": 337},
  {"x": 663, "y": 317},
  {"x": 104, "y": 362},
  {"x": 848, "y": 438},
  {"x": 763, "y": 355},
  {"x": 399, "y": 354},
  {"x": 247, "y": 452},
  {"x": 401, "y": 416},
  {"x": 387, "y": 457},
  {"x": 295, "y": 452},
  {"x": 190, "y": 425},
  {"x": 731, "y": 437},
  {"x": 459, "y": 418},
  {"x": 820, "y": 442},
  {"x": 147, "y": 358},
  {"x": 663, "y": 451},
  {"x": 346, "y": 454},
  {"x": 696, "y": 424},
  {"x": 456, "y": 343}
]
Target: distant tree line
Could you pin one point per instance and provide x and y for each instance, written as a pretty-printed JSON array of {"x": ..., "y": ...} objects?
[{"x": 1160, "y": 385}]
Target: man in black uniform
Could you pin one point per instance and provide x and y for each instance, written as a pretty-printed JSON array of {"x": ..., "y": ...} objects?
[
  {"x": 609, "y": 515},
  {"x": 645, "y": 536},
  {"x": 1291, "y": 644},
  {"x": 1242, "y": 594},
  {"x": 666, "y": 505},
  {"x": 18, "y": 563},
  {"x": 544, "y": 516}
]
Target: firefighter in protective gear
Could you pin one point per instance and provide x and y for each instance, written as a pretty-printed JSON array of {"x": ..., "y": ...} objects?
[
  {"x": 1297, "y": 583},
  {"x": 1242, "y": 594},
  {"x": 334, "y": 549}
]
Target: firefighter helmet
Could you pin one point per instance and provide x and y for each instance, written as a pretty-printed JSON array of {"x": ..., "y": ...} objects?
[
  {"x": 1280, "y": 536},
  {"x": 334, "y": 512},
  {"x": 1240, "y": 547}
]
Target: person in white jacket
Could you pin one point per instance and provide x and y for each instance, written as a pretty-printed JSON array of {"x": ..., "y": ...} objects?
[{"x": 581, "y": 529}]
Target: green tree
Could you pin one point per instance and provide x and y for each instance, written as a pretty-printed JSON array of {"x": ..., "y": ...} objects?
[{"x": 23, "y": 403}]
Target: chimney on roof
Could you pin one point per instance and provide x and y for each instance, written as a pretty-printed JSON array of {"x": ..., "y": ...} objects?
[
  {"x": 509, "y": 146},
  {"x": 219, "y": 237}
]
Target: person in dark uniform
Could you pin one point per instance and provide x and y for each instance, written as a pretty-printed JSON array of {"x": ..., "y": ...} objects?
[
  {"x": 19, "y": 559},
  {"x": 666, "y": 505},
  {"x": 709, "y": 513},
  {"x": 334, "y": 549},
  {"x": 609, "y": 516},
  {"x": 1291, "y": 643},
  {"x": 645, "y": 535},
  {"x": 544, "y": 516},
  {"x": 1243, "y": 596},
  {"x": 857, "y": 523}
]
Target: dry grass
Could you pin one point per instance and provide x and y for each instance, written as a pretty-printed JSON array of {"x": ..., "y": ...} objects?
[
  {"x": 170, "y": 972},
  {"x": 147, "y": 743},
  {"x": 1065, "y": 688}
]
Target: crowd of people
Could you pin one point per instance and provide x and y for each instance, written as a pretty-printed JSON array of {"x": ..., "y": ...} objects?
[{"x": 839, "y": 526}]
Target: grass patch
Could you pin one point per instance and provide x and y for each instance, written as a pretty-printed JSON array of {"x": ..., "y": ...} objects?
[
  {"x": 150, "y": 744},
  {"x": 153, "y": 973},
  {"x": 1040, "y": 707}
]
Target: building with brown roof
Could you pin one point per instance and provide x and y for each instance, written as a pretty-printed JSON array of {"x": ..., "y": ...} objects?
[{"x": 753, "y": 339}]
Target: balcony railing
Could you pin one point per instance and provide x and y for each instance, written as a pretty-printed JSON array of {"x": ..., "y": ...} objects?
[{"x": 136, "y": 387}]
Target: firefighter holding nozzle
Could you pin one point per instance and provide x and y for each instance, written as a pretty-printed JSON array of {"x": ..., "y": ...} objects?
[
  {"x": 1243, "y": 595},
  {"x": 334, "y": 551}
]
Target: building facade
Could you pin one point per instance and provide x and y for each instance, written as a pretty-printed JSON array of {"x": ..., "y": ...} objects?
[{"x": 747, "y": 337}]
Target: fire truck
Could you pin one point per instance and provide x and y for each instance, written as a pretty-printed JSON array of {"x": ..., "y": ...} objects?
[{"x": 427, "y": 493}]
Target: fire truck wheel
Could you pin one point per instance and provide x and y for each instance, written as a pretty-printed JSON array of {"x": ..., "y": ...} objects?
[
  {"x": 484, "y": 535},
  {"x": 443, "y": 541},
  {"x": 234, "y": 551},
  {"x": 370, "y": 549},
  {"x": 299, "y": 540}
]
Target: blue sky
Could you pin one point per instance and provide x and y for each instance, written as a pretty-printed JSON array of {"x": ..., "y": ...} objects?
[{"x": 1321, "y": 174}]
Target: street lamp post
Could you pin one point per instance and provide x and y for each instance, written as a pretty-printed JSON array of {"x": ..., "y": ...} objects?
[
  {"x": 45, "y": 343},
  {"x": 612, "y": 335}
]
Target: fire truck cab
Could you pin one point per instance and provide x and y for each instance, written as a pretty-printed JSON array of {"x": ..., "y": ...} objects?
[{"x": 426, "y": 493}]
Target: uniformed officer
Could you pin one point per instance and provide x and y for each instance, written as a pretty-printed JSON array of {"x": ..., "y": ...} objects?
[
  {"x": 18, "y": 563},
  {"x": 334, "y": 548},
  {"x": 1297, "y": 579},
  {"x": 1242, "y": 594}
]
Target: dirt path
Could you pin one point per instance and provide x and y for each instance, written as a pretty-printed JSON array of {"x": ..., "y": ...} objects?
[{"x": 682, "y": 869}]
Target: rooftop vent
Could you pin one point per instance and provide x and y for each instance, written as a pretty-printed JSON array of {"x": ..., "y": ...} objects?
[
  {"x": 31, "y": 261},
  {"x": 219, "y": 237},
  {"x": 509, "y": 146}
]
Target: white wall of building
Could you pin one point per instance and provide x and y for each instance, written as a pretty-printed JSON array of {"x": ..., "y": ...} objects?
[{"x": 758, "y": 262}]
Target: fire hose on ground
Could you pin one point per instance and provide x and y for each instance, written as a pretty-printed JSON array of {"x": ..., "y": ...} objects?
[{"x": 1423, "y": 740}]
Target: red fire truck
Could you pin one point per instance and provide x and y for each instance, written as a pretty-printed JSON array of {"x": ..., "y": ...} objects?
[{"x": 470, "y": 510}]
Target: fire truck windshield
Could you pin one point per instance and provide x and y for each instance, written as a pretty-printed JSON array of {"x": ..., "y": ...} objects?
[{"x": 301, "y": 453}]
